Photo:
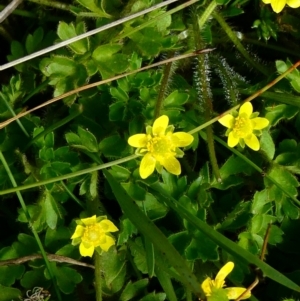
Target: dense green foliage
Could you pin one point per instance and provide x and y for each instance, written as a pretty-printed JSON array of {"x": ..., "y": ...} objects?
[{"x": 174, "y": 231}]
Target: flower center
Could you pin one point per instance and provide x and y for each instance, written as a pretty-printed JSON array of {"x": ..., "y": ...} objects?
[
  {"x": 160, "y": 146},
  {"x": 242, "y": 126},
  {"x": 92, "y": 234}
]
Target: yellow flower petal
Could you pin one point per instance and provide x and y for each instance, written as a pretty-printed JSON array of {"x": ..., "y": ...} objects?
[
  {"x": 278, "y": 5},
  {"x": 232, "y": 140},
  {"x": 234, "y": 292},
  {"x": 90, "y": 220},
  {"x": 138, "y": 140},
  {"x": 252, "y": 142},
  {"x": 109, "y": 241},
  {"x": 78, "y": 232},
  {"x": 86, "y": 251},
  {"x": 293, "y": 3},
  {"x": 206, "y": 286},
  {"x": 223, "y": 273},
  {"x": 259, "y": 123},
  {"x": 181, "y": 139},
  {"x": 227, "y": 121},
  {"x": 147, "y": 166},
  {"x": 266, "y": 1},
  {"x": 160, "y": 125},
  {"x": 246, "y": 108},
  {"x": 172, "y": 165},
  {"x": 108, "y": 226}
]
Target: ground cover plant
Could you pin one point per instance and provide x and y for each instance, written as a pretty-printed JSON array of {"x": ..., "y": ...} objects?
[{"x": 152, "y": 157}]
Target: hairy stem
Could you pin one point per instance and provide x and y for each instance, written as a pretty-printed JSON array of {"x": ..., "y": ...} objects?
[
  {"x": 98, "y": 276},
  {"x": 163, "y": 87},
  {"x": 233, "y": 37},
  {"x": 205, "y": 96},
  {"x": 207, "y": 13}
]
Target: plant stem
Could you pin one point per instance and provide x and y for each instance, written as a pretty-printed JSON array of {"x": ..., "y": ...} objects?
[
  {"x": 163, "y": 87},
  {"x": 233, "y": 37},
  {"x": 205, "y": 95},
  {"x": 70, "y": 175},
  {"x": 71, "y": 194},
  {"x": 27, "y": 215},
  {"x": 207, "y": 13},
  {"x": 54, "y": 4},
  {"x": 98, "y": 276}
]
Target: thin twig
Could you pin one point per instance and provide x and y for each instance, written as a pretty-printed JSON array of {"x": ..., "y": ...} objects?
[
  {"x": 51, "y": 257},
  {"x": 84, "y": 35},
  {"x": 262, "y": 257},
  {"x": 9, "y": 9},
  {"x": 179, "y": 57}
]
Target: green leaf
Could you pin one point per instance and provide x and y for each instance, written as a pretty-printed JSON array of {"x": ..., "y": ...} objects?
[
  {"x": 119, "y": 94},
  {"x": 133, "y": 289},
  {"x": 127, "y": 231},
  {"x": 267, "y": 145},
  {"x": 201, "y": 247},
  {"x": 9, "y": 293},
  {"x": 52, "y": 210},
  {"x": 34, "y": 278},
  {"x": 112, "y": 146},
  {"x": 49, "y": 140},
  {"x": 58, "y": 237},
  {"x": 95, "y": 6},
  {"x": 9, "y": 274},
  {"x": 67, "y": 278},
  {"x": 287, "y": 181},
  {"x": 114, "y": 265},
  {"x": 33, "y": 41},
  {"x": 154, "y": 297},
  {"x": 67, "y": 31},
  {"x": 277, "y": 113},
  {"x": 176, "y": 99},
  {"x": 88, "y": 140}
]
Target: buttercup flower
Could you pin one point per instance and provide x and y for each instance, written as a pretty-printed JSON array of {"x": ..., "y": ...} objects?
[
  {"x": 243, "y": 128},
  {"x": 160, "y": 147},
  {"x": 208, "y": 285},
  {"x": 93, "y": 233},
  {"x": 278, "y": 5}
]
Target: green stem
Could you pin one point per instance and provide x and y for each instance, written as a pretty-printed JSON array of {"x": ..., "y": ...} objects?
[
  {"x": 233, "y": 37},
  {"x": 54, "y": 4},
  {"x": 188, "y": 295},
  {"x": 74, "y": 197},
  {"x": 27, "y": 215},
  {"x": 98, "y": 276},
  {"x": 163, "y": 87},
  {"x": 70, "y": 175},
  {"x": 14, "y": 114},
  {"x": 207, "y": 13},
  {"x": 270, "y": 46},
  {"x": 56, "y": 125},
  {"x": 19, "y": 12},
  {"x": 205, "y": 95}
]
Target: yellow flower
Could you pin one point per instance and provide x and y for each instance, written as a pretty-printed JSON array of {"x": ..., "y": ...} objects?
[
  {"x": 160, "y": 147},
  {"x": 92, "y": 233},
  {"x": 208, "y": 285},
  {"x": 278, "y": 5},
  {"x": 244, "y": 127}
]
